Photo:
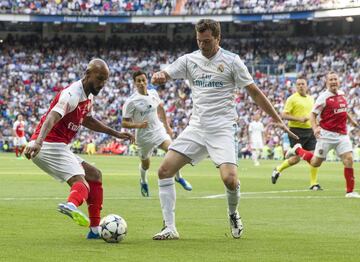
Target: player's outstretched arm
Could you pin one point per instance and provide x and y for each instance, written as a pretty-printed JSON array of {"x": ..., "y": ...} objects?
[
  {"x": 33, "y": 148},
  {"x": 98, "y": 126},
  {"x": 160, "y": 78},
  {"x": 128, "y": 123},
  {"x": 262, "y": 101},
  {"x": 162, "y": 116}
]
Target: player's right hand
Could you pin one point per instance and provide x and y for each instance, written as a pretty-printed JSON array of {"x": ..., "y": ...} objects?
[
  {"x": 287, "y": 130},
  {"x": 144, "y": 124},
  {"x": 304, "y": 119},
  {"x": 159, "y": 78},
  {"x": 32, "y": 149},
  {"x": 317, "y": 132}
]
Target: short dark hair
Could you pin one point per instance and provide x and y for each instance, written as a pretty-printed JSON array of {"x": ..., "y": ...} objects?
[
  {"x": 209, "y": 24},
  {"x": 138, "y": 73}
]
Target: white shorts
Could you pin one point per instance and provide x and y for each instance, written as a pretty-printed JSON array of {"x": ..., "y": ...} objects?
[
  {"x": 330, "y": 140},
  {"x": 197, "y": 144},
  {"x": 58, "y": 161},
  {"x": 20, "y": 141},
  {"x": 257, "y": 144},
  {"x": 146, "y": 149}
]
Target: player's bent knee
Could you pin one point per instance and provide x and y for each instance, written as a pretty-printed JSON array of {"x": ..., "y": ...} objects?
[
  {"x": 77, "y": 178},
  {"x": 348, "y": 161},
  {"x": 164, "y": 172},
  {"x": 231, "y": 182},
  {"x": 145, "y": 164}
]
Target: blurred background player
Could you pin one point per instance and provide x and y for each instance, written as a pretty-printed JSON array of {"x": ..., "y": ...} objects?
[
  {"x": 49, "y": 146},
  {"x": 19, "y": 135},
  {"x": 297, "y": 110},
  {"x": 213, "y": 74},
  {"x": 331, "y": 131},
  {"x": 257, "y": 138},
  {"x": 144, "y": 111}
]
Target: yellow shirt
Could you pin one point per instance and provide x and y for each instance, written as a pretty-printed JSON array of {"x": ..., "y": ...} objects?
[{"x": 299, "y": 106}]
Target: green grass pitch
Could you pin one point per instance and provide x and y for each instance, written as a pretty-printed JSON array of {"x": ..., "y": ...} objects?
[{"x": 283, "y": 222}]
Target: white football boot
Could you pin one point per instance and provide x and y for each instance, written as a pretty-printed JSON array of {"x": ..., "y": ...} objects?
[
  {"x": 352, "y": 195},
  {"x": 167, "y": 234},
  {"x": 236, "y": 225}
]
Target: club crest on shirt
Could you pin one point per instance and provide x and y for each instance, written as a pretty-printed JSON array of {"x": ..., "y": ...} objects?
[
  {"x": 221, "y": 68},
  {"x": 321, "y": 151}
]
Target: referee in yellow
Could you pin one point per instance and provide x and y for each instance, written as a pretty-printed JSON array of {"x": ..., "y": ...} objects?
[{"x": 297, "y": 110}]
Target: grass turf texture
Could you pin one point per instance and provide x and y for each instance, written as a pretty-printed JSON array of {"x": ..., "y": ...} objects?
[{"x": 299, "y": 225}]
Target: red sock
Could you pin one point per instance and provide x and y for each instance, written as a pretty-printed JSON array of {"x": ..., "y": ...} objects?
[
  {"x": 17, "y": 151},
  {"x": 21, "y": 150},
  {"x": 78, "y": 193},
  {"x": 350, "y": 179},
  {"x": 304, "y": 154},
  {"x": 95, "y": 202}
]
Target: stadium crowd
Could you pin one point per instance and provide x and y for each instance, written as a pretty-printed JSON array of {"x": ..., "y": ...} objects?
[
  {"x": 166, "y": 7},
  {"x": 31, "y": 74}
]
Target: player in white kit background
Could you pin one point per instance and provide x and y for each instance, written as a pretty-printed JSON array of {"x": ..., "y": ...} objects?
[
  {"x": 49, "y": 146},
  {"x": 144, "y": 111},
  {"x": 213, "y": 74},
  {"x": 19, "y": 135},
  {"x": 329, "y": 123},
  {"x": 257, "y": 138}
]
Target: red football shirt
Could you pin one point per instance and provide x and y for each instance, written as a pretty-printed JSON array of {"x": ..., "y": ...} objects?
[
  {"x": 73, "y": 105},
  {"x": 19, "y": 127},
  {"x": 332, "y": 110}
]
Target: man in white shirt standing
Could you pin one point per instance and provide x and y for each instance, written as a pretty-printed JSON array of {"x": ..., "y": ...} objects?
[
  {"x": 213, "y": 74},
  {"x": 142, "y": 111},
  {"x": 256, "y": 135}
]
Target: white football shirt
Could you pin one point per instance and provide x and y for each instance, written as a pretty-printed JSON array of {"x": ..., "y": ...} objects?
[
  {"x": 213, "y": 82},
  {"x": 256, "y": 129},
  {"x": 142, "y": 108}
]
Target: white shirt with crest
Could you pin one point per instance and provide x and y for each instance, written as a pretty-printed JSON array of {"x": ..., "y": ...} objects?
[{"x": 213, "y": 82}]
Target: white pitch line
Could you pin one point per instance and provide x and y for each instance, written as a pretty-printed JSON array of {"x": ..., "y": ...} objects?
[{"x": 258, "y": 193}]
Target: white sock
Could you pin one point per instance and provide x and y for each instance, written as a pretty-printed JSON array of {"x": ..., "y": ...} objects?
[
  {"x": 95, "y": 230},
  {"x": 233, "y": 197},
  {"x": 143, "y": 175},
  {"x": 255, "y": 155},
  {"x": 167, "y": 197},
  {"x": 178, "y": 175}
]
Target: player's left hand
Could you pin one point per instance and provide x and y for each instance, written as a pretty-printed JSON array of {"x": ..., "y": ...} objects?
[{"x": 126, "y": 136}]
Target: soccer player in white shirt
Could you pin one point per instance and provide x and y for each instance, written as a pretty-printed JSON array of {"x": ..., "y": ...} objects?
[
  {"x": 213, "y": 74},
  {"x": 142, "y": 111},
  {"x": 256, "y": 134}
]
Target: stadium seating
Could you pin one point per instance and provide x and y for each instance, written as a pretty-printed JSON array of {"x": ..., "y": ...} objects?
[
  {"x": 30, "y": 76},
  {"x": 153, "y": 7}
]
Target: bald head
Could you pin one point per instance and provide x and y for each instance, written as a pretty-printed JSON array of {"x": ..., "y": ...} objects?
[
  {"x": 97, "y": 64},
  {"x": 96, "y": 74}
]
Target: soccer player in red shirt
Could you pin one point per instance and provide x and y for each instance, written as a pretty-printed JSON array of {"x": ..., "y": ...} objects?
[
  {"x": 19, "y": 135},
  {"x": 49, "y": 148},
  {"x": 331, "y": 110}
]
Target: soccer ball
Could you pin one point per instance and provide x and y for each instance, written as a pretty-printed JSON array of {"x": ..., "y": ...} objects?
[{"x": 113, "y": 228}]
